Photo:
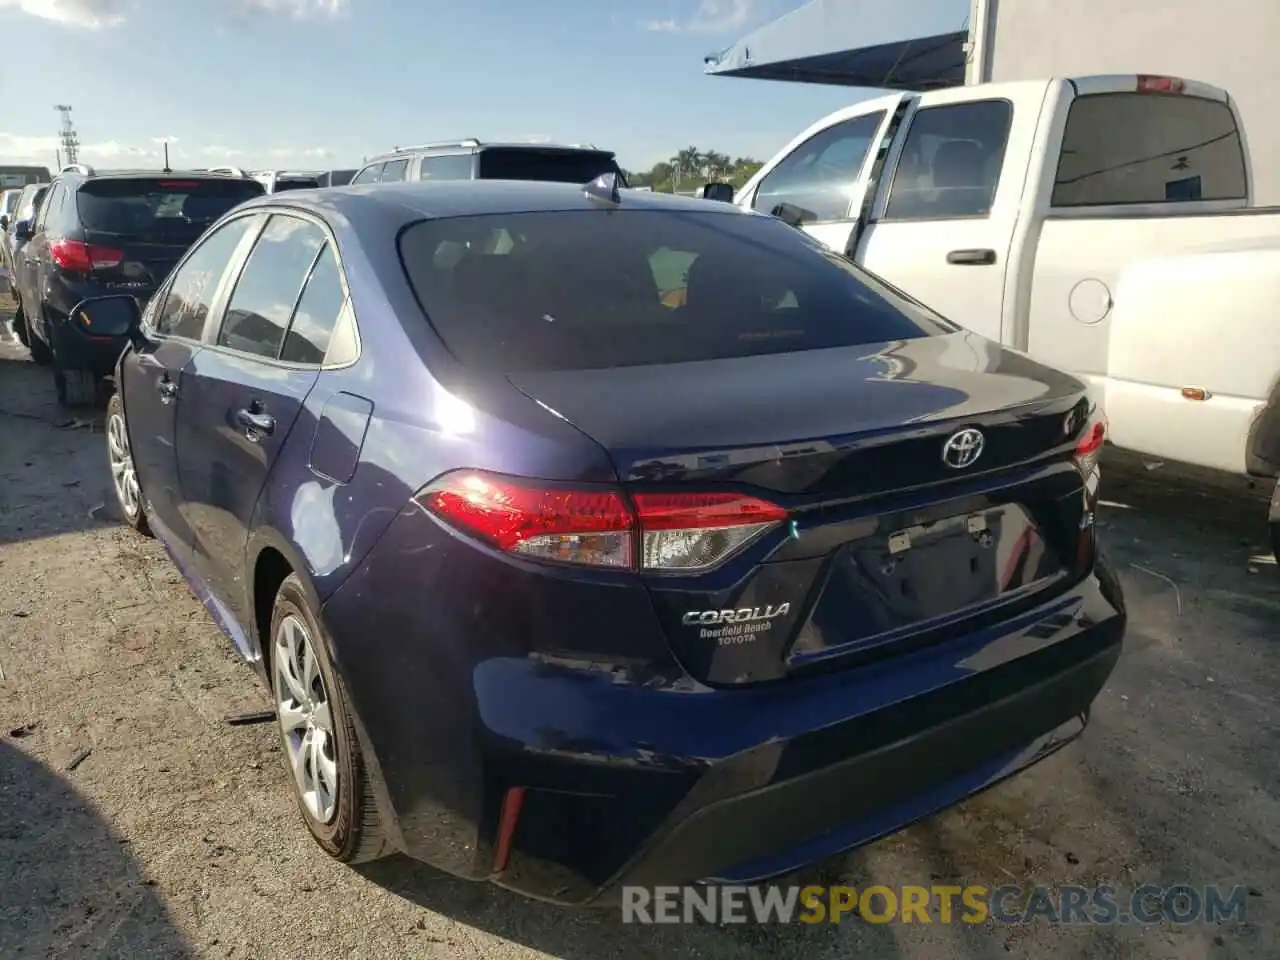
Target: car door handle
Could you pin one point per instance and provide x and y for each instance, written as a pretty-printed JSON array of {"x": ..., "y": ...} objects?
[
  {"x": 256, "y": 425},
  {"x": 972, "y": 258},
  {"x": 168, "y": 390}
]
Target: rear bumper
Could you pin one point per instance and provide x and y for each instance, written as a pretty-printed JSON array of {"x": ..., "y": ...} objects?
[{"x": 631, "y": 773}]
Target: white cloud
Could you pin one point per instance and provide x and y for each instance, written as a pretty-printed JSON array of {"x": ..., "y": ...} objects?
[
  {"x": 711, "y": 16},
  {"x": 93, "y": 14},
  {"x": 298, "y": 9},
  {"x": 42, "y": 151}
]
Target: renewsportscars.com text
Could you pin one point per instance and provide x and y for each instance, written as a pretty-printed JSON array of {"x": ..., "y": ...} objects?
[{"x": 973, "y": 904}]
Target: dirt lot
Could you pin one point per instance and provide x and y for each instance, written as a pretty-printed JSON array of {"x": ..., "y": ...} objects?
[{"x": 134, "y": 822}]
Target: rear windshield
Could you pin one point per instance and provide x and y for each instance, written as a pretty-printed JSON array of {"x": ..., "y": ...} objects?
[
  {"x": 591, "y": 289},
  {"x": 1149, "y": 148},
  {"x": 296, "y": 183},
  {"x": 150, "y": 205},
  {"x": 562, "y": 166}
]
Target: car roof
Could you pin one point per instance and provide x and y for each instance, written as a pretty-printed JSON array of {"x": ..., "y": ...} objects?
[
  {"x": 395, "y": 204},
  {"x": 428, "y": 149},
  {"x": 157, "y": 174}
]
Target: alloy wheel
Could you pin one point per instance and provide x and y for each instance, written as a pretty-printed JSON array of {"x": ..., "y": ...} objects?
[
  {"x": 123, "y": 475},
  {"x": 306, "y": 719}
]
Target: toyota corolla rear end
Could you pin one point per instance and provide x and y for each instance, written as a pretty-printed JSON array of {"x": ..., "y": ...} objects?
[{"x": 836, "y": 568}]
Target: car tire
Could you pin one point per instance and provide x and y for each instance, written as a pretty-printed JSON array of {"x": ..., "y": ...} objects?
[
  {"x": 76, "y": 387},
  {"x": 1273, "y": 518},
  {"x": 40, "y": 351},
  {"x": 20, "y": 327},
  {"x": 334, "y": 790},
  {"x": 124, "y": 474}
]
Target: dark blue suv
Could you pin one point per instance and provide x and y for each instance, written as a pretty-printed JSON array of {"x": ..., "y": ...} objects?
[{"x": 100, "y": 234}]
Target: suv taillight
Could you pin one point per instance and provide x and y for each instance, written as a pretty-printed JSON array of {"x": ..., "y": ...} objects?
[
  {"x": 602, "y": 527},
  {"x": 80, "y": 257}
]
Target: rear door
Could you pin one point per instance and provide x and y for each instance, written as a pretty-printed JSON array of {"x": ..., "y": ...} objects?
[
  {"x": 243, "y": 392},
  {"x": 943, "y": 224},
  {"x": 139, "y": 227},
  {"x": 151, "y": 372}
]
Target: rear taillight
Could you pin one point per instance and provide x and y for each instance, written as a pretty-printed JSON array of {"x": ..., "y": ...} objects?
[
  {"x": 80, "y": 257},
  {"x": 1089, "y": 446},
  {"x": 661, "y": 532},
  {"x": 1153, "y": 84}
]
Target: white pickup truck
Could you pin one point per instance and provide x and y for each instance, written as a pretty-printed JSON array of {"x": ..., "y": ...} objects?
[{"x": 1100, "y": 224}]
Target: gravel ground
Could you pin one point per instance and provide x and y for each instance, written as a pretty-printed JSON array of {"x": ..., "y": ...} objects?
[{"x": 135, "y": 822}]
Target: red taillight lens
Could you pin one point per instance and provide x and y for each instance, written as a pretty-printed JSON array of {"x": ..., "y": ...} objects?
[
  {"x": 1089, "y": 446},
  {"x": 80, "y": 257},
  {"x": 1151, "y": 84},
  {"x": 669, "y": 531}
]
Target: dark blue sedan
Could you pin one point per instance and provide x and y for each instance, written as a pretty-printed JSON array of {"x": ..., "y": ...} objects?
[{"x": 591, "y": 537}]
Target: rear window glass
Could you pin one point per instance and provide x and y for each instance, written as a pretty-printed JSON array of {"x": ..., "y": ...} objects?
[
  {"x": 561, "y": 166},
  {"x": 296, "y": 183},
  {"x": 1149, "y": 148},
  {"x": 592, "y": 289},
  {"x": 160, "y": 206}
]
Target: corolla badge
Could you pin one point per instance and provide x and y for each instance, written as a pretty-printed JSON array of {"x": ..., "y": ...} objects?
[{"x": 963, "y": 448}]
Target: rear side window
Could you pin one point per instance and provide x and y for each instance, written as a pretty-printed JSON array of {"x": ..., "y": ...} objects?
[
  {"x": 559, "y": 166},
  {"x": 454, "y": 166},
  {"x": 592, "y": 289},
  {"x": 265, "y": 294},
  {"x": 951, "y": 161},
  {"x": 317, "y": 314},
  {"x": 1121, "y": 148},
  {"x": 155, "y": 207}
]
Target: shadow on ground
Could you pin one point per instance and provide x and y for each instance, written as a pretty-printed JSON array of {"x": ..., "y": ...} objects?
[{"x": 69, "y": 887}]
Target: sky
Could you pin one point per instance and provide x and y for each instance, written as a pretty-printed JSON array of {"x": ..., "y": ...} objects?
[{"x": 318, "y": 84}]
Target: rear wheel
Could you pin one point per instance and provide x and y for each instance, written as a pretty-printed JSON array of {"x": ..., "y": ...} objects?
[
  {"x": 20, "y": 327},
  {"x": 331, "y": 783},
  {"x": 124, "y": 476},
  {"x": 76, "y": 387},
  {"x": 1274, "y": 518},
  {"x": 40, "y": 351}
]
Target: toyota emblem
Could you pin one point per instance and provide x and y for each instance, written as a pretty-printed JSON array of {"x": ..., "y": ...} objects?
[{"x": 963, "y": 448}]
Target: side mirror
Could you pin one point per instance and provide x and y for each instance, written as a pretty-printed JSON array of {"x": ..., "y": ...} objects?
[
  {"x": 792, "y": 215},
  {"x": 722, "y": 192},
  {"x": 22, "y": 230},
  {"x": 112, "y": 316}
]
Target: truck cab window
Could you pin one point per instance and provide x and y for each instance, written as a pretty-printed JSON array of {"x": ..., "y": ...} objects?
[
  {"x": 819, "y": 176},
  {"x": 950, "y": 163}
]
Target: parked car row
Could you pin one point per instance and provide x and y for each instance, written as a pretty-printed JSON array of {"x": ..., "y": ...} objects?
[{"x": 585, "y": 535}]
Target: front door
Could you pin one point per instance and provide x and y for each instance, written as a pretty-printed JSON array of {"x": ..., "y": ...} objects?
[
  {"x": 153, "y": 373},
  {"x": 820, "y": 180},
  {"x": 240, "y": 398},
  {"x": 942, "y": 226}
]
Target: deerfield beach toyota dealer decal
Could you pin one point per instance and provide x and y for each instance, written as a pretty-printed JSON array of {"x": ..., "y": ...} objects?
[{"x": 735, "y": 626}]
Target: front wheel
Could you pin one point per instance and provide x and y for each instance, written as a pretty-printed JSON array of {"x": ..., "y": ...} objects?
[
  {"x": 330, "y": 780},
  {"x": 124, "y": 475}
]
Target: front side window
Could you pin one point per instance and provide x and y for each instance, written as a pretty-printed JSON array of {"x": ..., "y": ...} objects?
[
  {"x": 394, "y": 171},
  {"x": 370, "y": 174},
  {"x": 267, "y": 289},
  {"x": 194, "y": 284},
  {"x": 951, "y": 161},
  {"x": 818, "y": 178},
  {"x": 1124, "y": 148},
  {"x": 585, "y": 289}
]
